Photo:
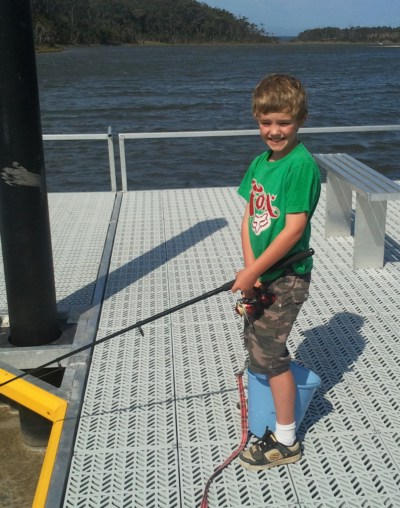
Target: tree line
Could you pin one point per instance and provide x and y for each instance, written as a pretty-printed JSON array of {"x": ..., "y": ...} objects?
[
  {"x": 381, "y": 34},
  {"x": 83, "y": 22}
]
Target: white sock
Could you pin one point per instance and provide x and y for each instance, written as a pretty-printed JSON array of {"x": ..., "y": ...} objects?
[{"x": 285, "y": 434}]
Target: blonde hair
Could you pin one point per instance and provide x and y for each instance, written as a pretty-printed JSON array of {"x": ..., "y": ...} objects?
[{"x": 280, "y": 93}]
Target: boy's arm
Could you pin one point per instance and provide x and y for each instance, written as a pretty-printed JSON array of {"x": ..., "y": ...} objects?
[
  {"x": 248, "y": 255},
  {"x": 246, "y": 279}
]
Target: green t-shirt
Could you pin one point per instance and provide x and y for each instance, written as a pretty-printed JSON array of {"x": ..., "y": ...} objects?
[{"x": 273, "y": 189}]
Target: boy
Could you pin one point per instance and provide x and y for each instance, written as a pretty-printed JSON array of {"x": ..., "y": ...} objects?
[{"x": 282, "y": 188}]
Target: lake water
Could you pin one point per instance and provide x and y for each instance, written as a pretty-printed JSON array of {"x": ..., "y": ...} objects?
[{"x": 174, "y": 88}]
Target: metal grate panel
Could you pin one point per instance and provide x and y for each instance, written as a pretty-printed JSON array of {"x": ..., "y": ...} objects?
[
  {"x": 232, "y": 487},
  {"x": 347, "y": 470},
  {"x": 79, "y": 223},
  {"x": 160, "y": 413}
]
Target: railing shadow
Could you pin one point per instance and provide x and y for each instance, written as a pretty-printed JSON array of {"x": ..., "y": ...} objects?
[
  {"x": 331, "y": 351},
  {"x": 147, "y": 262}
]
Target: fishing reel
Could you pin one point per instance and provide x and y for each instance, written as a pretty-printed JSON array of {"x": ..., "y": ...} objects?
[{"x": 254, "y": 306}]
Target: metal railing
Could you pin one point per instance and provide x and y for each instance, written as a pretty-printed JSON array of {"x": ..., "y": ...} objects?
[
  {"x": 91, "y": 137},
  {"x": 190, "y": 134},
  {"x": 230, "y": 133}
]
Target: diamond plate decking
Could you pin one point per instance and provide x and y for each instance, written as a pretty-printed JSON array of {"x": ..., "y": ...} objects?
[{"x": 159, "y": 412}]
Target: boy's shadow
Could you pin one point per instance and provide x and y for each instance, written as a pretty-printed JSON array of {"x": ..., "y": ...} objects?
[{"x": 330, "y": 351}]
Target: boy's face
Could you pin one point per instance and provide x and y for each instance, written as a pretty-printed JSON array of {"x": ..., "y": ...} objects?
[{"x": 279, "y": 132}]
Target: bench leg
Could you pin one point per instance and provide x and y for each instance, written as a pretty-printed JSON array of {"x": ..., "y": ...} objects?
[
  {"x": 338, "y": 207},
  {"x": 369, "y": 233}
]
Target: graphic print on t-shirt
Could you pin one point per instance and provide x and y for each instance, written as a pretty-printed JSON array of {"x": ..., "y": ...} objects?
[{"x": 261, "y": 209}]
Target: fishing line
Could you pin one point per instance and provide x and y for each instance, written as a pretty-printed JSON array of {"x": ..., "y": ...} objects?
[{"x": 283, "y": 263}]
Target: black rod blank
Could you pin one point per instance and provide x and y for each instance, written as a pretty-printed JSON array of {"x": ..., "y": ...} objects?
[{"x": 283, "y": 263}]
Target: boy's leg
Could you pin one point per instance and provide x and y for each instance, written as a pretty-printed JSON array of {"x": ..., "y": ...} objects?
[
  {"x": 283, "y": 389},
  {"x": 265, "y": 340}
]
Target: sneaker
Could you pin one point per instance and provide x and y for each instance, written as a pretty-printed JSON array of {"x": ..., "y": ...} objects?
[{"x": 268, "y": 452}]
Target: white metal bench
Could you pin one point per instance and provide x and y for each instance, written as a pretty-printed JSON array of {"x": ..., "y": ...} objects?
[{"x": 344, "y": 175}]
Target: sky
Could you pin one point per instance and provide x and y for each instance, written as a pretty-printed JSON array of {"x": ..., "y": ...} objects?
[{"x": 290, "y": 17}]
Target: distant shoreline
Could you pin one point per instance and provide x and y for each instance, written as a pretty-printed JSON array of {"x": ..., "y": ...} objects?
[{"x": 58, "y": 49}]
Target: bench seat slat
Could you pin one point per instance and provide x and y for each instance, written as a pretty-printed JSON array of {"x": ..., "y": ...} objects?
[
  {"x": 373, "y": 177},
  {"x": 361, "y": 178}
]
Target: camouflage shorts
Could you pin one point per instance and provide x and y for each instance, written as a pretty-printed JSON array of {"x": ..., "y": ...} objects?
[{"x": 265, "y": 337}]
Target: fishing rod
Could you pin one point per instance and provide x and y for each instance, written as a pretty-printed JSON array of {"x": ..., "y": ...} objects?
[{"x": 283, "y": 263}]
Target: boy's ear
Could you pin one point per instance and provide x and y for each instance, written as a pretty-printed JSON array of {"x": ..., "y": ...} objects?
[{"x": 302, "y": 121}]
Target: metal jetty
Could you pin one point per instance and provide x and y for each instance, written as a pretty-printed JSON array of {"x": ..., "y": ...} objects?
[
  {"x": 151, "y": 417},
  {"x": 159, "y": 412}
]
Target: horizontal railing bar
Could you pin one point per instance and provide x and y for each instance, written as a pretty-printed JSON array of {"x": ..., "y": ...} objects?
[
  {"x": 217, "y": 133},
  {"x": 187, "y": 134},
  {"x": 352, "y": 128},
  {"x": 254, "y": 132},
  {"x": 73, "y": 137}
]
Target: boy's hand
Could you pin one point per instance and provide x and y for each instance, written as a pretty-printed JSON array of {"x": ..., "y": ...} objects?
[{"x": 245, "y": 281}]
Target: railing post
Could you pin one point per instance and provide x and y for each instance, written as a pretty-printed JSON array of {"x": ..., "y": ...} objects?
[
  {"x": 24, "y": 218},
  {"x": 111, "y": 158},
  {"x": 122, "y": 155}
]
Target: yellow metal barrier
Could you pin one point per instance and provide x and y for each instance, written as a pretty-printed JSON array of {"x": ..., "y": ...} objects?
[{"x": 47, "y": 405}]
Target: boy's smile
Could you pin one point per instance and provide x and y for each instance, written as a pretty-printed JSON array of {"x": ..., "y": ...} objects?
[{"x": 279, "y": 132}]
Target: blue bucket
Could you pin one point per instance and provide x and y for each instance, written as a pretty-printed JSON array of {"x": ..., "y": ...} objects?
[{"x": 261, "y": 409}]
